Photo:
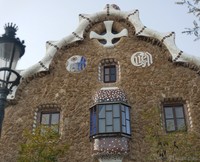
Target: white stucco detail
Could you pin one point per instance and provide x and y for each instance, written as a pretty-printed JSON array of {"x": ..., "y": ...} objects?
[
  {"x": 142, "y": 59},
  {"x": 85, "y": 20},
  {"x": 109, "y": 36}
]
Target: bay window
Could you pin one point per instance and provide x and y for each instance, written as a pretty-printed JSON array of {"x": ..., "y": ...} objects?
[{"x": 110, "y": 119}]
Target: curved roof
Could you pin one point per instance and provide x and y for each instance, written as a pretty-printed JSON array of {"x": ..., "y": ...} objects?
[{"x": 168, "y": 39}]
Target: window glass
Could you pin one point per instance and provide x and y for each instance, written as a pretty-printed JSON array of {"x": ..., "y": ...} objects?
[
  {"x": 180, "y": 124},
  {"x": 109, "y": 129},
  {"x": 116, "y": 124},
  {"x": 45, "y": 119},
  {"x": 179, "y": 112},
  {"x": 168, "y": 113},
  {"x": 102, "y": 125},
  {"x": 113, "y": 70},
  {"x": 123, "y": 129},
  {"x": 109, "y": 118},
  {"x": 116, "y": 110},
  {"x": 170, "y": 125},
  {"x": 123, "y": 118},
  {"x": 174, "y": 118},
  {"x": 102, "y": 111},
  {"x": 55, "y": 118},
  {"x": 106, "y": 70},
  {"x": 108, "y": 107},
  {"x": 107, "y": 79},
  {"x": 127, "y": 112},
  {"x": 128, "y": 129},
  {"x": 112, "y": 78}
]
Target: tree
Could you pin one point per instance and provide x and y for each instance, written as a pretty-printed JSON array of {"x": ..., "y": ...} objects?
[
  {"x": 170, "y": 147},
  {"x": 42, "y": 145},
  {"x": 193, "y": 8}
]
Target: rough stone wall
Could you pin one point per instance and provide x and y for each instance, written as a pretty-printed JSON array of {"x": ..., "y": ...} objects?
[{"x": 73, "y": 92}]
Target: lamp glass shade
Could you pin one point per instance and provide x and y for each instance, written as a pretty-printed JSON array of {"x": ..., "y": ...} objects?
[{"x": 9, "y": 56}]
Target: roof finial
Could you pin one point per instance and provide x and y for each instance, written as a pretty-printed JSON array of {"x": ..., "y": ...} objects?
[{"x": 10, "y": 29}]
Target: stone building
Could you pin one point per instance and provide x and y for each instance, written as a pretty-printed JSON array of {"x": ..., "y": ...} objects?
[{"x": 94, "y": 85}]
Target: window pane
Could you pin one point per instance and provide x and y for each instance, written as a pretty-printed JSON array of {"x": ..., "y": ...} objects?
[
  {"x": 128, "y": 129},
  {"x": 181, "y": 124},
  {"x": 127, "y": 112},
  {"x": 170, "y": 125},
  {"x": 122, "y": 108},
  {"x": 93, "y": 121},
  {"x": 102, "y": 125},
  {"x": 112, "y": 70},
  {"x": 123, "y": 129},
  {"x": 123, "y": 118},
  {"x": 109, "y": 118},
  {"x": 45, "y": 119},
  {"x": 168, "y": 112},
  {"x": 106, "y": 70},
  {"x": 107, "y": 79},
  {"x": 108, "y": 107},
  {"x": 117, "y": 125},
  {"x": 113, "y": 78},
  {"x": 109, "y": 129},
  {"x": 179, "y": 112},
  {"x": 116, "y": 110},
  {"x": 55, "y": 118},
  {"x": 102, "y": 111}
]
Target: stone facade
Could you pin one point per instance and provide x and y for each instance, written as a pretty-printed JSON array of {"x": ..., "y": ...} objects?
[{"x": 72, "y": 93}]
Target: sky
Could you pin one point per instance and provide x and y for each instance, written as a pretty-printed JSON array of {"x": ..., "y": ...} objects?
[{"x": 40, "y": 21}]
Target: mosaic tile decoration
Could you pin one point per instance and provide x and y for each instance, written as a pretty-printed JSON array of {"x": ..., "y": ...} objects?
[
  {"x": 110, "y": 147},
  {"x": 76, "y": 64},
  {"x": 110, "y": 95}
]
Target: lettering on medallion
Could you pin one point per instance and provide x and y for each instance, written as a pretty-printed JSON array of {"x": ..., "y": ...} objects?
[{"x": 142, "y": 59}]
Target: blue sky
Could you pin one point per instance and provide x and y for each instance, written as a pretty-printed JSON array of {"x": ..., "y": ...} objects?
[{"x": 51, "y": 20}]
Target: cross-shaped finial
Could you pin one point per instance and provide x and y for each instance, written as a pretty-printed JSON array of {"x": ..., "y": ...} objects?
[{"x": 109, "y": 36}]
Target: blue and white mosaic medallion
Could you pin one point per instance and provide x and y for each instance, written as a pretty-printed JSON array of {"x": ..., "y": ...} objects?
[{"x": 76, "y": 64}]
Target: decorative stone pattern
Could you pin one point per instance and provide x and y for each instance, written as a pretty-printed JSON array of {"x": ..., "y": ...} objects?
[
  {"x": 110, "y": 148},
  {"x": 110, "y": 95}
]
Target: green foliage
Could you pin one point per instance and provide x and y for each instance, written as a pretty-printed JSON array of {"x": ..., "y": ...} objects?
[
  {"x": 42, "y": 145},
  {"x": 172, "y": 147},
  {"x": 193, "y": 8}
]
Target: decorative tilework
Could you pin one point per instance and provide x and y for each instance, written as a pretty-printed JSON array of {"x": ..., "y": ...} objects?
[
  {"x": 76, "y": 64},
  {"x": 110, "y": 95},
  {"x": 110, "y": 147}
]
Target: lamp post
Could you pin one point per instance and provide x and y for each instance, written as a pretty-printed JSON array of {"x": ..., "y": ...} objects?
[{"x": 11, "y": 50}]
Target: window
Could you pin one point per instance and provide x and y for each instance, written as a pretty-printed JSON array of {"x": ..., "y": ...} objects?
[
  {"x": 109, "y": 70},
  {"x": 110, "y": 119},
  {"x": 50, "y": 119},
  {"x": 174, "y": 116},
  {"x": 109, "y": 74}
]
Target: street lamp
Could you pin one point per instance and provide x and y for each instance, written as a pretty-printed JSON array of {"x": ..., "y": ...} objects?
[{"x": 11, "y": 50}]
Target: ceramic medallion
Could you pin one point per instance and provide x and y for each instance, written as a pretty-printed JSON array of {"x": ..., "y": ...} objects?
[{"x": 76, "y": 64}]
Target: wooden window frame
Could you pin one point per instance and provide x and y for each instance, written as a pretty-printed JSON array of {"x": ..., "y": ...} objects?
[
  {"x": 174, "y": 106},
  {"x": 109, "y": 74},
  {"x": 50, "y": 112}
]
